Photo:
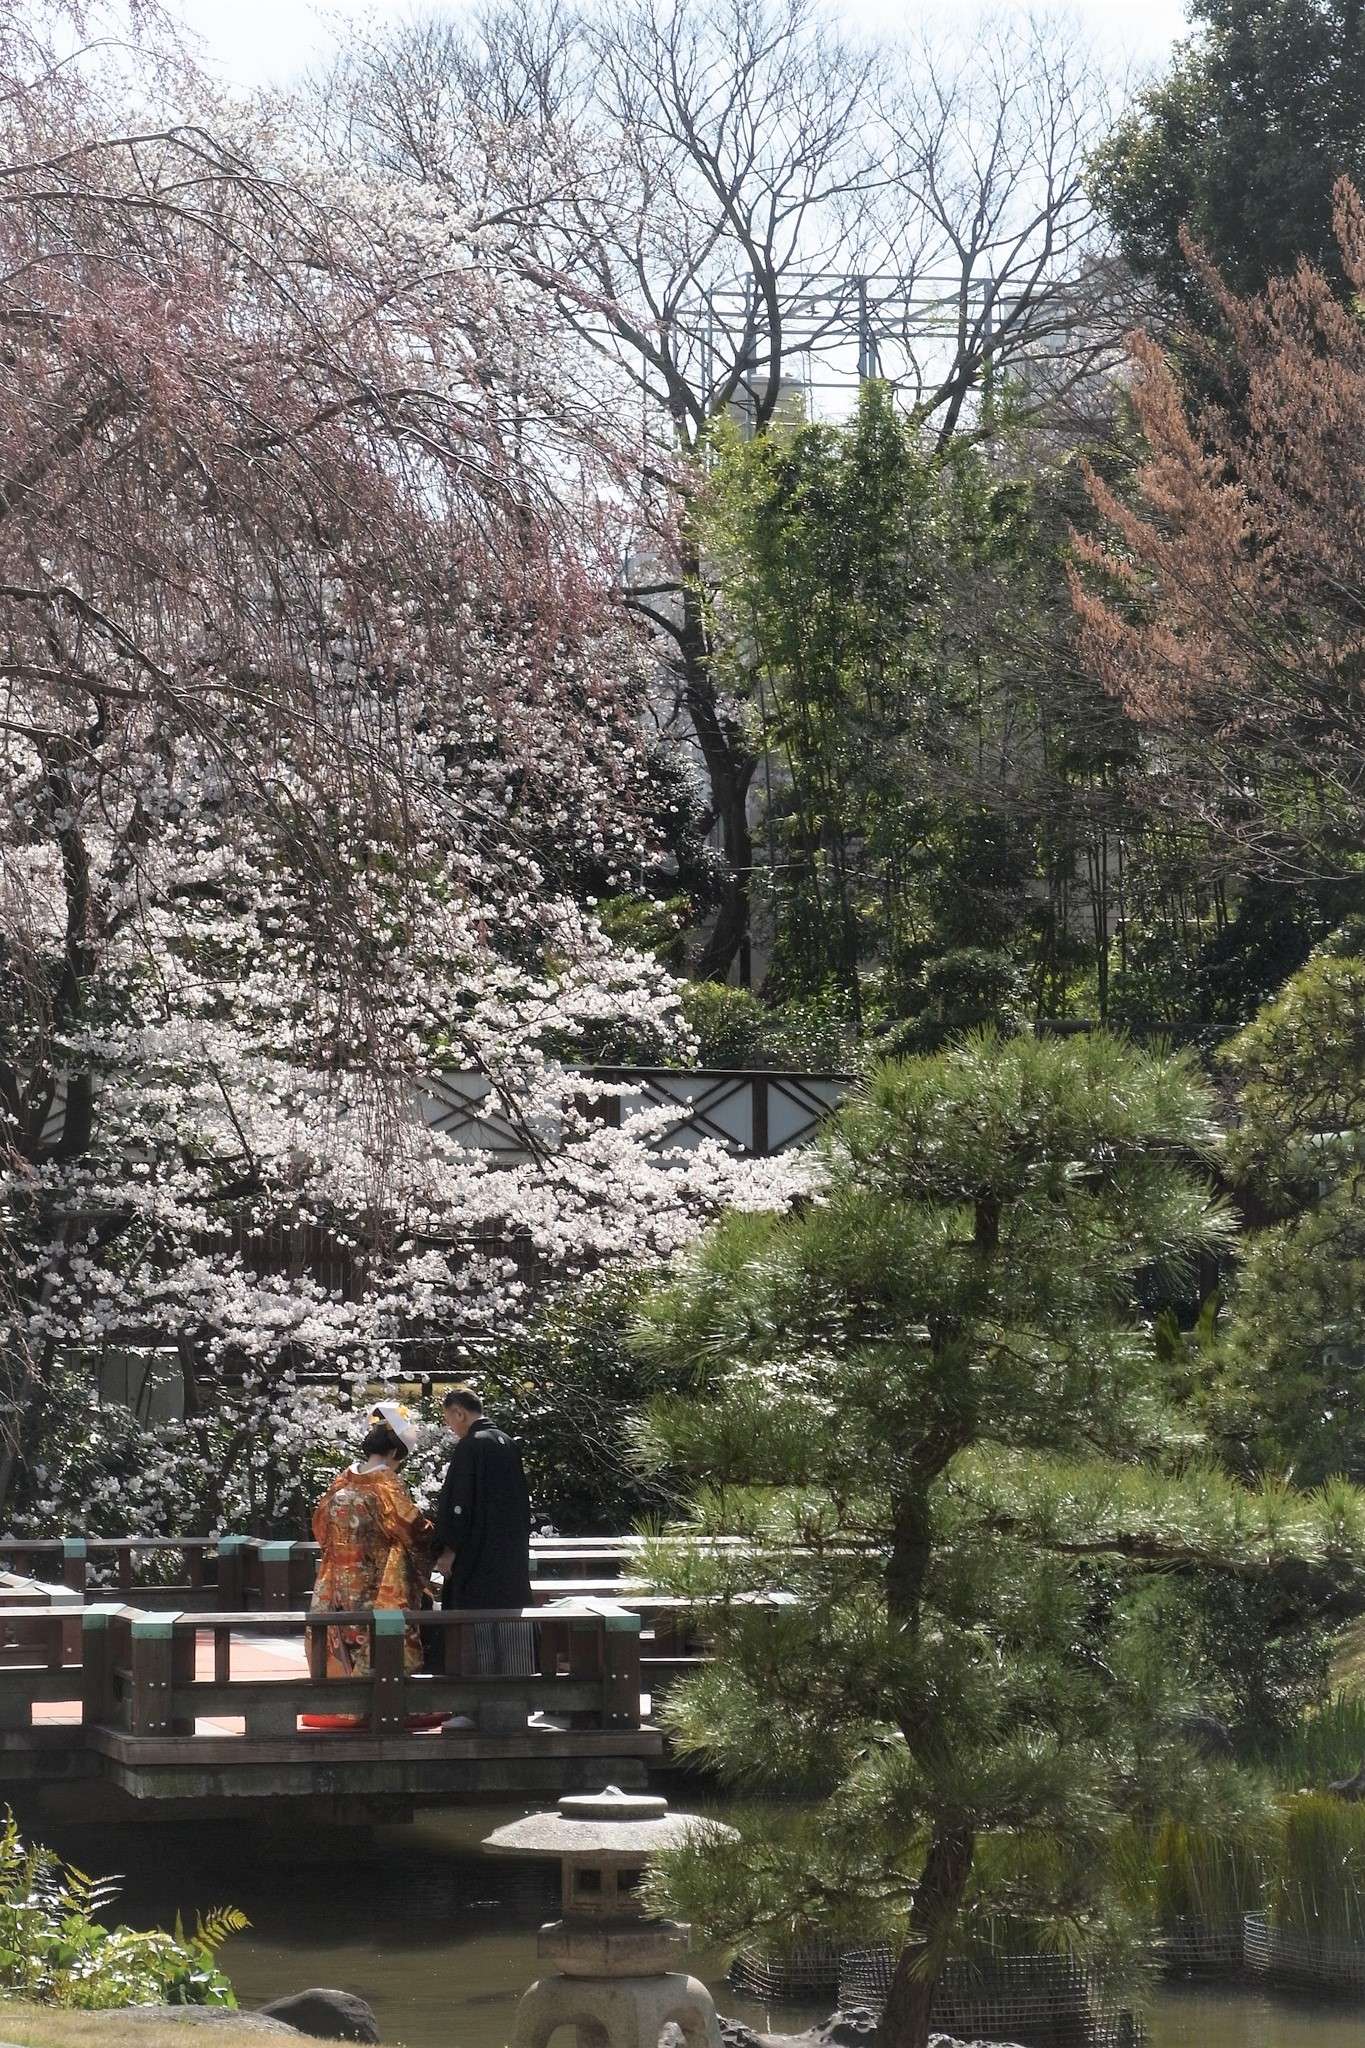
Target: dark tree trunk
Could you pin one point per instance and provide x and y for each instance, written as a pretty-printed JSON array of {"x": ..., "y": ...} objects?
[
  {"x": 730, "y": 766},
  {"x": 29, "y": 1093},
  {"x": 948, "y": 1864},
  {"x": 938, "y": 1899},
  {"x": 908, "y": 1562}
]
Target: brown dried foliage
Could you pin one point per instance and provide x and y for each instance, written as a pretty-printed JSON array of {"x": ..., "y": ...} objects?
[{"x": 1224, "y": 605}]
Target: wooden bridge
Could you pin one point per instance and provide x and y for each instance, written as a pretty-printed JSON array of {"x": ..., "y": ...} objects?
[{"x": 181, "y": 1674}]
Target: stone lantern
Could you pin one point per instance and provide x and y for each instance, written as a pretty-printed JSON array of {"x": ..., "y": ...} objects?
[{"x": 616, "y": 1975}]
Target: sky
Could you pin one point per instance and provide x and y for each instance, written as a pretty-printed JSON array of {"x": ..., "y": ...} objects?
[{"x": 268, "y": 42}]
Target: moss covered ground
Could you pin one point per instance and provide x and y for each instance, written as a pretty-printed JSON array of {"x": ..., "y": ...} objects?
[{"x": 33, "y": 2026}]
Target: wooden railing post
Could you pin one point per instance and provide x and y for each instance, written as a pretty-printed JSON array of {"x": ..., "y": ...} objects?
[
  {"x": 150, "y": 1712},
  {"x": 184, "y": 1651},
  {"x": 553, "y": 1637},
  {"x": 99, "y": 1692},
  {"x": 586, "y": 1660},
  {"x": 75, "y": 1564},
  {"x": 621, "y": 1669},
  {"x": 387, "y": 1716},
  {"x": 232, "y": 1574},
  {"x": 75, "y": 1577},
  {"x": 668, "y": 1639},
  {"x": 276, "y": 1559},
  {"x": 759, "y": 1137}
]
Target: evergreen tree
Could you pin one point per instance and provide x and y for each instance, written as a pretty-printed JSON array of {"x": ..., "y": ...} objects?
[
  {"x": 934, "y": 1402},
  {"x": 938, "y": 786},
  {"x": 1287, "y": 1399},
  {"x": 1241, "y": 143}
]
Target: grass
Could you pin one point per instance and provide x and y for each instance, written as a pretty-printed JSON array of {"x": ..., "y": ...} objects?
[
  {"x": 1318, "y": 1884},
  {"x": 1327, "y": 1746},
  {"x": 1205, "y": 1874},
  {"x": 44, "y": 2026}
]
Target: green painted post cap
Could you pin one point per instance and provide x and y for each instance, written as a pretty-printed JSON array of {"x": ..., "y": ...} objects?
[
  {"x": 93, "y": 1618},
  {"x": 233, "y": 1542},
  {"x": 622, "y": 1623},
  {"x": 153, "y": 1627},
  {"x": 276, "y": 1551},
  {"x": 388, "y": 1621},
  {"x": 75, "y": 1546}
]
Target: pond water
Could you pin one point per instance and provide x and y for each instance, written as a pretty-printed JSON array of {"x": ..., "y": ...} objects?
[{"x": 441, "y": 1940}]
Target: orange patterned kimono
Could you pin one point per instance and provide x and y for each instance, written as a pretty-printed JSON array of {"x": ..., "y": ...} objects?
[{"x": 376, "y": 1547}]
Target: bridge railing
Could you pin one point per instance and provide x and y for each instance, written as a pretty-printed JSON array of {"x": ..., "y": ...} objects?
[
  {"x": 150, "y": 1685},
  {"x": 269, "y": 1574},
  {"x": 595, "y": 1663},
  {"x": 19, "y": 1595},
  {"x": 133, "y": 1567},
  {"x": 139, "y": 1674}
]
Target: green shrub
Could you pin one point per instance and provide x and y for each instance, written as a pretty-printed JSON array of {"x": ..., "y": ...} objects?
[
  {"x": 570, "y": 1392},
  {"x": 1263, "y": 1699},
  {"x": 1299, "y": 1069},
  {"x": 810, "y": 1035},
  {"x": 735, "y": 1029},
  {"x": 1287, "y": 1398},
  {"x": 55, "y": 1951},
  {"x": 960, "y": 991},
  {"x": 726, "y": 1022},
  {"x": 646, "y": 925}
]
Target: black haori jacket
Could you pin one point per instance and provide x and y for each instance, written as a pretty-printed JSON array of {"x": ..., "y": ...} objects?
[{"x": 483, "y": 1514}]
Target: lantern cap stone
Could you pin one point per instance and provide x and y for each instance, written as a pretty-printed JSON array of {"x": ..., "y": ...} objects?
[
  {"x": 596, "y": 1827},
  {"x": 613, "y": 1804}
]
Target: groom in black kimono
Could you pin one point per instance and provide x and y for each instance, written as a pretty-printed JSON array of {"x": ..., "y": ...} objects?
[{"x": 483, "y": 1543}]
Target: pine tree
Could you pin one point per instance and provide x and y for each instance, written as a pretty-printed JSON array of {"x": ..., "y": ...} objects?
[{"x": 933, "y": 1401}]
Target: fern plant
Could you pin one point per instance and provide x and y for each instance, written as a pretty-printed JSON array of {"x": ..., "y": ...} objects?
[{"x": 54, "y": 1950}]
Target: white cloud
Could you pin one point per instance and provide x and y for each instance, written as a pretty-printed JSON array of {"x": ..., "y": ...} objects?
[{"x": 268, "y": 42}]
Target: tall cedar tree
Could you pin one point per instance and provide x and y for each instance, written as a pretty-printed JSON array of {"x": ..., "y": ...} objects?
[{"x": 933, "y": 1400}]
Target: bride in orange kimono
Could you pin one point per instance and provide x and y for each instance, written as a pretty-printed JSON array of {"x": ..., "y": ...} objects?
[{"x": 375, "y": 1541}]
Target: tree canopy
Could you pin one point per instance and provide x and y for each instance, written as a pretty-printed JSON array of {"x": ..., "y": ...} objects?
[
  {"x": 1239, "y": 147},
  {"x": 935, "y": 1407}
]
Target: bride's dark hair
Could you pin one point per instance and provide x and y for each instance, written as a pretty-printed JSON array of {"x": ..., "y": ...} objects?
[{"x": 379, "y": 1440}]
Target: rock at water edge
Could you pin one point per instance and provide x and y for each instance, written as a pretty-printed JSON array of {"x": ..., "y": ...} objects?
[{"x": 326, "y": 2015}]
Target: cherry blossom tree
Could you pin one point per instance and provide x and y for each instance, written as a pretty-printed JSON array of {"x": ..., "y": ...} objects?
[{"x": 314, "y": 706}]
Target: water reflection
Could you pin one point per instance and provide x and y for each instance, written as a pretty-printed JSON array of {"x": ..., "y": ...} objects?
[
  {"x": 440, "y": 1939},
  {"x": 1225, "y": 2017}
]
